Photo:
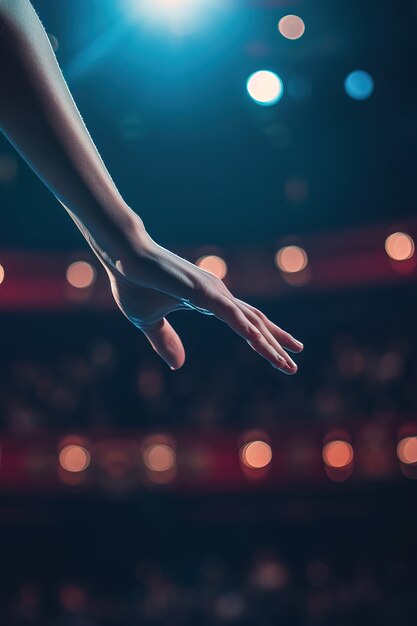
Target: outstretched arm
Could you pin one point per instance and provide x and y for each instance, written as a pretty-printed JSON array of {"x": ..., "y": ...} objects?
[{"x": 40, "y": 118}]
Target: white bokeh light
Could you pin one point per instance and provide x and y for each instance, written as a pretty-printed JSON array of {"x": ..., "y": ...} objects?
[{"x": 265, "y": 87}]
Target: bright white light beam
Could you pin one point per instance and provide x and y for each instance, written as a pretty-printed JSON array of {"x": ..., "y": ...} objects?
[{"x": 181, "y": 16}]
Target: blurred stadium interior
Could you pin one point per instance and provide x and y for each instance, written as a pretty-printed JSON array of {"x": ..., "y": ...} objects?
[{"x": 224, "y": 492}]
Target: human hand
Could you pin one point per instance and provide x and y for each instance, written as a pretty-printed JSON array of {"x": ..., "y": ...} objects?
[{"x": 154, "y": 282}]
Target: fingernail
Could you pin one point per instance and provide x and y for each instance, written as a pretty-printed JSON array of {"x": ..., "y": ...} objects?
[{"x": 301, "y": 345}]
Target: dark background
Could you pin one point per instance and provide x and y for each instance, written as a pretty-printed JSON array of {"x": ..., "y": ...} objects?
[
  {"x": 203, "y": 164},
  {"x": 199, "y": 166}
]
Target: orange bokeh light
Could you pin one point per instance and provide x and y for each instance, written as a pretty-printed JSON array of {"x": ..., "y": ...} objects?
[
  {"x": 291, "y": 259},
  {"x": 407, "y": 450},
  {"x": 81, "y": 274},
  {"x": 399, "y": 246},
  {"x": 74, "y": 458},
  {"x": 291, "y": 27},
  {"x": 2, "y": 274},
  {"x": 214, "y": 264},
  {"x": 256, "y": 454},
  {"x": 159, "y": 457},
  {"x": 337, "y": 454}
]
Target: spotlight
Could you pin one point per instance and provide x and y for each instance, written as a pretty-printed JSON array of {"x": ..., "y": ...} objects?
[
  {"x": 155, "y": 8},
  {"x": 399, "y": 246},
  {"x": 291, "y": 27},
  {"x": 265, "y": 87},
  {"x": 291, "y": 259},
  {"x": 169, "y": 5},
  {"x": 359, "y": 85},
  {"x": 81, "y": 274},
  {"x": 214, "y": 264},
  {"x": 181, "y": 16}
]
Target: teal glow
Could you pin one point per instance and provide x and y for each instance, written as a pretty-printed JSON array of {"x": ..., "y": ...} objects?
[{"x": 359, "y": 85}]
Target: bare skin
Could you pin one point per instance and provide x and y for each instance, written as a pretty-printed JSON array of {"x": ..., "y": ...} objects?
[{"x": 40, "y": 118}]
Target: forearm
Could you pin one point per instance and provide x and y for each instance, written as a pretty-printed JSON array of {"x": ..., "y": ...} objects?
[{"x": 40, "y": 118}]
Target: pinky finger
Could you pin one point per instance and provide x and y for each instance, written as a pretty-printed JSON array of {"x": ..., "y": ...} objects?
[{"x": 230, "y": 313}]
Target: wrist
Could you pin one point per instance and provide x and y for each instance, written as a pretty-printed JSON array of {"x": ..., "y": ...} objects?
[
  {"x": 124, "y": 240},
  {"x": 133, "y": 238}
]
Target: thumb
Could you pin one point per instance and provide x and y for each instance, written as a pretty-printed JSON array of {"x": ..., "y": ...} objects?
[{"x": 166, "y": 342}]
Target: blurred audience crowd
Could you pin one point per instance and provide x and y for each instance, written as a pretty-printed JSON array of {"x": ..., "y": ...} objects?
[
  {"x": 80, "y": 372},
  {"x": 264, "y": 591},
  {"x": 99, "y": 382}
]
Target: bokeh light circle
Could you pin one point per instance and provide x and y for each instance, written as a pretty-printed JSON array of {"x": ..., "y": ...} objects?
[
  {"x": 214, "y": 264},
  {"x": 407, "y": 450},
  {"x": 81, "y": 274},
  {"x": 53, "y": 41},
  {"x": 265, "y": 87},
  {"x": 337, "y": 454},
  {"x": 256, "y": 454},
  {"x": 159, "y": 457},
  {"x": 359, "y": 85},
  {"x": 74, "y": 458},
  {"x": 2, "y": 274},
  {"x": 399, "y": 246},
  {"x": 291, "y": 259},
  {"x": 291, "y": 27}
]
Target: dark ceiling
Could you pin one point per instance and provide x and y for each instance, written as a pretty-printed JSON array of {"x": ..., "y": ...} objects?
[{"x": 197, "y": 158}]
